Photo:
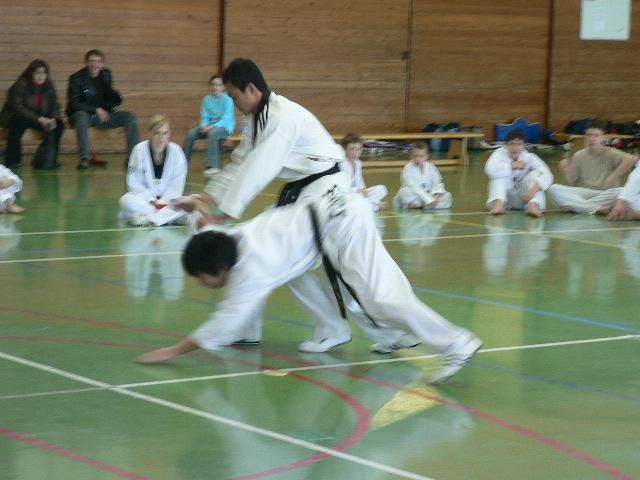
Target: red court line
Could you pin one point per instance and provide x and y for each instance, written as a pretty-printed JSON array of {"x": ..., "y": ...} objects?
[
  {"x": 90, "y": 321},
  {"x": 550, "y": 442},
  {"x": 63, "y": 452},
  {"x": 363, "y": 419},
  {"x": 514, "y": 427}
]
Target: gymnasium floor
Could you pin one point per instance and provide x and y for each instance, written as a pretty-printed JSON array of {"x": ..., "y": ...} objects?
[{"x": 554, "y": 394}]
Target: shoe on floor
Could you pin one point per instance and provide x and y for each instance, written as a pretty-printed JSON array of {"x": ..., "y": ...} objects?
[
  {"x": 319, "y": 346},
  {"x": 210, "y": 172},
  {"x": 405, "y": 341},
  {"x": 83, "y": 164},
  {"x": 456, "y": 358}
]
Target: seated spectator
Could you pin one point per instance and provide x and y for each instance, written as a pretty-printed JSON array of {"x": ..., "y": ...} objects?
[
  {"x": 593, "y": 175},
  {"x": 10, "y": 184},
  {"x": 32, "y": 103},
  {"x": 517, "y": 178},
  {"x": 352, "y": 145},
  {"x": 92, "y": 102},
  {"x": 157, "y": 174},
  {"x": 217, "y": 121},
  {"x": 627, "y": 206},
  {"x": 421, "y": 181}
]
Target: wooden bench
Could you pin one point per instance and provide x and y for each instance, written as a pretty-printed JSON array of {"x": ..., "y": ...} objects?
[
  {"x": 457, "y": 154},
  {"x": 578, "y": 140}
]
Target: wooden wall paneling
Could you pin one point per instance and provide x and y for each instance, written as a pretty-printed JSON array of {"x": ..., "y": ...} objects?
[
  {"x": 340, "y": 59},
  {"x": 162, "y": 53},
  {"x": 478, "y": 63},
  {"x": 592, "y": 79}
]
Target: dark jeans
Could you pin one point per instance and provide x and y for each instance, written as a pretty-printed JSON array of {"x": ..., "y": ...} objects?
[
  {"x": 82, "y": 121},
  {"x": 47, "y": 153}
]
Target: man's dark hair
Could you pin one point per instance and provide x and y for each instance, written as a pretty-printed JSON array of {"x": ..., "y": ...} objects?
[
  {"x": 240, "y": 73},
  {"x": 93, "y": 52},
  {"x": 515, "y": 135},
  {"x": 350, "y": 138},
  {"x": 598, "y": 124},
  {"x": 243, "y": 71},
  {"x": 209, "y": 252}
]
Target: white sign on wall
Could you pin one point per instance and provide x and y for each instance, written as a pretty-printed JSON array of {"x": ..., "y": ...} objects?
[{"x": 605, "y": 20}]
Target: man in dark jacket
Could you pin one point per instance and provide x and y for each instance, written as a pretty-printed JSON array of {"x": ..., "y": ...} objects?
[{"x": 91, "y": 103}]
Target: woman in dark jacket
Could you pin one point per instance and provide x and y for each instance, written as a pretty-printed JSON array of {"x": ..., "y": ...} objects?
[{"x": 32, "y": 103}]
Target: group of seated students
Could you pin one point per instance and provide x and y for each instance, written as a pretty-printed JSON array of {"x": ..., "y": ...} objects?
[
  {"x": 92, "y": 102},
  {"x": 157, "y": 168},
  {"x": 518, "y": 179}
]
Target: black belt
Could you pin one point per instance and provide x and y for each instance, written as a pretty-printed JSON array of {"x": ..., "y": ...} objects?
[
  {"x": 291, "y": 191},
  {"x": 332, "y": 274}
]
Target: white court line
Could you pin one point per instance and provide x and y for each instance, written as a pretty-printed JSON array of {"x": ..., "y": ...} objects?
[
  {"x": 71, "y": 232},
  {"x": 89, "y": 257},
  {"x": 216, "y": 418},
  {"x": 306, "y": 368},
  {"x": 403, "y": 239}
]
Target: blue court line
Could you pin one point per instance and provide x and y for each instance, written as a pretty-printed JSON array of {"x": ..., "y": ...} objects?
[
  {"x": 297, "y": 323},
  {"x": 545, "y": 379},
  {"x": 536, "y": 311}
]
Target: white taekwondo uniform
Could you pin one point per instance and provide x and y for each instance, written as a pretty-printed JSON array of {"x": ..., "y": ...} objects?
[
  {"x": 631, "y": 190},
  {"x": 8, "y": 194},
  {"x": 292, "y": 146},
  {"x": 374, "y": 194},
  {"x": 509, "y": 184},
  {"x": 419, "y": 185},
  {"x": 143, "y": 187},
  {"x": 279, "y": 245}
]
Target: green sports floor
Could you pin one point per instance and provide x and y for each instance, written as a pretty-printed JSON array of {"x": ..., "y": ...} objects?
[{"x": 554, "y": 393}]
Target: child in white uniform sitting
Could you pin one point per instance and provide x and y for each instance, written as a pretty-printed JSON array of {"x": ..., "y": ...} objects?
[
  {"x": 157, "y": 175},
  {"x": 352, "y": 145},
  {"x": 422, "y": 185},
  {"x": 10, "y": 184},
  {"x": 517, "y": 178}
]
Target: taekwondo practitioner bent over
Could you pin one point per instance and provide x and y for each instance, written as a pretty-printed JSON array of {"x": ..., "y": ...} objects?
[{"x": 281, "y": 244}]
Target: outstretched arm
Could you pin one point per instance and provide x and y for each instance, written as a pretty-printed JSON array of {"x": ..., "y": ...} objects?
[{"x": 168, "y": 353}]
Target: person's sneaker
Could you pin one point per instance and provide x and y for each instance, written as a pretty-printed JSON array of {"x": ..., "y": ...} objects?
[
  {"x": 323, "y": 345},
  {"x": 83, "y": 164},
  {"x": 405, "y": 341},
  {"x": 210, "y": 172},
  {"x": 455, "y": 359}
]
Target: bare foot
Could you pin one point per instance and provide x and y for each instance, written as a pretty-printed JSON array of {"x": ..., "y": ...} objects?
[
  {"x": 157, "y": 356},
  {"x": 498, "y": 208},
  {"x": 631, "y": 214},
  {"x": 534, "y": 210},
  {"x": 15, "y": 208}
]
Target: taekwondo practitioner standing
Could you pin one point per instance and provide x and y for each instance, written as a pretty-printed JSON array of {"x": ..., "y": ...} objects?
[
  {"x": 281, "y": 244},
  {"x": 517, "y": 178},
  {"x": 282, "y": 140},
  {"x": 156, "y": 176}
]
